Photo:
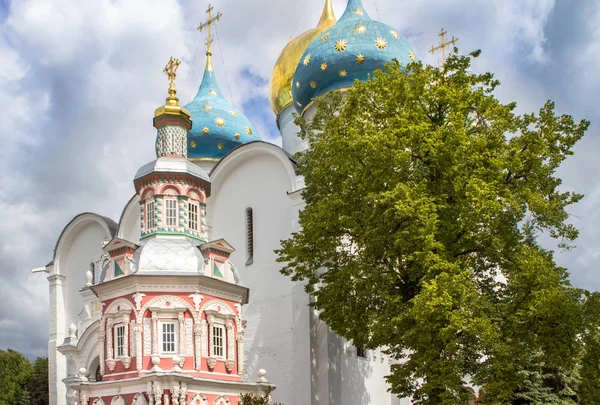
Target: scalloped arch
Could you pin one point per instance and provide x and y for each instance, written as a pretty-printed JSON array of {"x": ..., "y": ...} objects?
[
  {"x": 198, "y": 399},
  {"x": 114, "y": 306},
  {"x": 214, "y": 304},
  {"x": 222, "y": 400},
  {"x": 161, "y": 301}
]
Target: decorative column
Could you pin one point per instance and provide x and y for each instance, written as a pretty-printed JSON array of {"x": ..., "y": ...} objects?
[
  {"x": 150, "y": 393},
  {"x": 230, "y": 346},
  {"x": 157, "y": 393},
  {"x": 181, "y": 319},
  {"x": 154, "y": 334},
  {"x": 175, "y": 392},
  {"x": 204, "y": 327},
  {"x": 212, "y": 360},
  {"x": 110, "y": 358},
  {"x": 102, "y": 339},
  {"x": 126, "y": 359},
  {"x": 137, "y": 329},
  {"x": 198, "y": 345},
  {"x": 83, "y": 398},
  {"x": 183, "y": 393},
  {"x": 240, "y": 350}
]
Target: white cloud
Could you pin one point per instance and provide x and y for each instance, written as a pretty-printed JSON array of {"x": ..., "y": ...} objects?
[{"x": 79, "y": 82}]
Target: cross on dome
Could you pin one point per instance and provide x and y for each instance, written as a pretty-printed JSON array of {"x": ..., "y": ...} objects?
[
  {"x": 443, "y": 44},
  {"x": 209, "y": 37}
]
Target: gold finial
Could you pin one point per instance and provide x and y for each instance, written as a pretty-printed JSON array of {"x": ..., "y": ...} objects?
[
  {"x": 209, "y": 37},
  {"x": 172, "y": 104},
  {"x": 443, "y": 44},
  {"x": 327, "y": 17}
]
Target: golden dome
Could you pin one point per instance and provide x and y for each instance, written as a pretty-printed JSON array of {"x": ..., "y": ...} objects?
[{"x": 280, "y": 92}]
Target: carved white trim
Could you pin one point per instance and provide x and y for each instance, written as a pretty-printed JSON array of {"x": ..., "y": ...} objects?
[
  {"x": 147, "y": 337},
  {"x": 98, "y": 401},
  {"x": 137, "y": 298},
  {"x": 118, "y": 400},
  {"x": 118, "y": 305},
  {"x": 218, "y": 306},
  {"x": 173, "y": 288},
  {"x": 182, "y": 351},
  {"x": 197, "y": 300},
  {"x": 222, "y": 400},
  {"x": 139, "y": 399},
  {"x": 160, "y": 302},
  {"x": 230, "y": 344},
  {"x": 204, "y": 326},
  {"x": 198, "y": 346},
  {"x": 189, "y": 337},
  {"x": 198, "y": 397}
]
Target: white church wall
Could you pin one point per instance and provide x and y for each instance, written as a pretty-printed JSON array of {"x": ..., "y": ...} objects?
[
  {"x": 260, "y": 176},
  {"x": 78, "y": 246},
  {"x": 130, "y": 222},
  {"x": 290, "y": 140}
]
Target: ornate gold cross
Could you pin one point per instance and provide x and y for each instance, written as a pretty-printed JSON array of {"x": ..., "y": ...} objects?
[
  {"x": 207, "y": 24},
  {"x": 443, "y": 44},
  {"x": 171, "y": 69}
]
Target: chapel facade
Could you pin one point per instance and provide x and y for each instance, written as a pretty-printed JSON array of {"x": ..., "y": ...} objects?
[{"x": 181, "y": 300}]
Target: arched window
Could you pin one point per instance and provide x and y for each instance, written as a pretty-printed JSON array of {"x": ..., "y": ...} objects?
[{"x": 249, "y": 236}]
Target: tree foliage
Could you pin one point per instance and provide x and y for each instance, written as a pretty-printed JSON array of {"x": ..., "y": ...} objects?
[
  {"x": 424, "y": 198},
  {"x": 22, "y": 382}
]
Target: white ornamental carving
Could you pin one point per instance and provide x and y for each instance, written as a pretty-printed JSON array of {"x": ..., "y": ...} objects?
[
  {"x": 204, "y": 326},
  {"x": 147, "y": 336},
  {"x": 198, "y": 399},
  {"x": 98, "y": 401},
  {"x": 137, "y": 298},
  {"x": 189, "y": 337},
  {"x": 218, "y": 306},
  {"x": 117, "y": 400},
  {"x": 197, "y": 299},
  {"x": 168, "y": 302},
  {"x": 139, "y": 399},
  {"x": 120, "y": 304},
  {"x": 230, "y": 342}
]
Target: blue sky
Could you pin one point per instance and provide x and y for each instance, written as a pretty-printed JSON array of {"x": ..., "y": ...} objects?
[{"x": 79, "y": 82}]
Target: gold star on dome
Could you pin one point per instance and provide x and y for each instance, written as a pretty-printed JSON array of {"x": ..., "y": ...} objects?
[
  {"x": 323, "y": 66},
  {"x": 298, "y": 85},
  {"x": 207, "y": 107},
  {"x": 212, "y": 92},
  {"x": 232, "y": 112},
  {"x": 324, "y": 37},
  {"x": 220, "y": 145},
  {"x": 358, "y": 11},
  {"x": 341, "y": 45},
  {"x": 299, "y": 104},
  {"x": 313, "y": 84},
  {"x": 306, "y": 60},
  {"x": 220, "y": 121},
  {"x": 395, "y": 34},
  {"x": 248, "y": 130},
  {"x": 343, "y": 73},
  {"x": 237, "y": 136},
  {"x": 192, "y": 144},
  {"x": 411, "y": 55},
  {"x": 381, "y": 43},
  {"x": 359, "y": 29},
  {"x": 205, "y": 130},
  {"x": 360, "y": 59}
]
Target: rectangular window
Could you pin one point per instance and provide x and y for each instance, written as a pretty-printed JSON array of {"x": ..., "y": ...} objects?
[
  {"x": 218, "y": 337},
  {"x": 249, "y": 236},
  {"x": 168, "y": 337},
  {"x": 193, "y": 212},
  {"x": 120, "y": 340},
  {"x": 150, "y": 221},
  {"x": 170, "y": 212}
]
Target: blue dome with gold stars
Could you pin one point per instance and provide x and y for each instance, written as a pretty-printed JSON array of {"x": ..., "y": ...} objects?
[
  {"x": 217, "y": 127},
  {"x": 351, "y": 49}
]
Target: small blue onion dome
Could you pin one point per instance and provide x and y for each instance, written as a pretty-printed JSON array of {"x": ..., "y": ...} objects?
[
  {"x": 217, "y": 127},
  {"x": 351, "y": 49}
]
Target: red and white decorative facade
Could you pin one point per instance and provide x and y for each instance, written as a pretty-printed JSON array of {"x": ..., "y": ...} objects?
[{"x": 168, "y": 325}]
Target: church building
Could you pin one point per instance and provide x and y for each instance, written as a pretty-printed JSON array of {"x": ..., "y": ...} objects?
[{"x": 181, "y": 300}]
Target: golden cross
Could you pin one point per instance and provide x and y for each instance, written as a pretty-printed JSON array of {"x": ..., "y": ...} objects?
[
  {"x": 207, "y": 24},
  {"x": 171, "y": 68},
  {"x": 443, "y": 44}
]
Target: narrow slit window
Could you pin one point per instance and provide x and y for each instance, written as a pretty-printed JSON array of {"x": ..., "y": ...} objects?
[
  {"x": 249, "y": 236},
  {"x": 150, "y": 221},
  {"x": 120, "y": 340},
  {"x": 171, "y": 212},
  {"x": 193, "y": 216}
]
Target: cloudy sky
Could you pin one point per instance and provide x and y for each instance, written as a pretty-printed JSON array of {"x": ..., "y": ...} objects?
[{"x": 79, "y": 81}]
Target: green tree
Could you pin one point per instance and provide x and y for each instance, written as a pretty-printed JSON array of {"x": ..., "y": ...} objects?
[
  {"x": 15, "y": 370},
  {"x": 424, "y": 197},
  {"x": 38, "y": 382}
]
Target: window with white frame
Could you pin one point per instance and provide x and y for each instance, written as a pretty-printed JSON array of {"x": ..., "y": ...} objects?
[
  {"x": 193, "y": 216},
  {"x": 218, "y": 341},
  {"x": 170, "y": 212},
  {"x": 168, "y": 337},
  {"x": 150, "y": 221},
  {"x": 120, "y": 340}
]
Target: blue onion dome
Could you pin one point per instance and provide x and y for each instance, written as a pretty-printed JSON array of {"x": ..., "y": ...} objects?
[
  {"x": 217, "y": 127},
  {"x": 351, "y": 49}
]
